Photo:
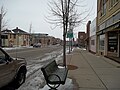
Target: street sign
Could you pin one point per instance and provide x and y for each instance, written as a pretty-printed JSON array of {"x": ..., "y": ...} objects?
[{"x": 69, "y": 35}]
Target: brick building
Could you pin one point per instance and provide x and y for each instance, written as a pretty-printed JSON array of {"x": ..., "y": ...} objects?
[{"x": 81, "y": 39}]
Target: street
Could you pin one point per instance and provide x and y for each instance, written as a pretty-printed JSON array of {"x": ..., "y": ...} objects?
[
  {"x": 86, "y": 71},
  {"x": 36, "y": 58},
  {"x": 32, "y": 54}
]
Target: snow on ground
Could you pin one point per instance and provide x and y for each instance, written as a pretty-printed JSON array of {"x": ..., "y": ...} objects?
[
  {"x": 35, "y": 79},
  {"x": 14, "y": 48},
  {"x": 67, "y": 86}
]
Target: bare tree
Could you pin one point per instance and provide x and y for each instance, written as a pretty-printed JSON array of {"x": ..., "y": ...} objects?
[
  {"x": 3, "y": 23},
  {"x": 3, "y": 13},
  {"x": 64, "y": 14}
]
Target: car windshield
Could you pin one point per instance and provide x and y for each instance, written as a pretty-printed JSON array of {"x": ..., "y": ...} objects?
[{"x": 2, "y": 57}]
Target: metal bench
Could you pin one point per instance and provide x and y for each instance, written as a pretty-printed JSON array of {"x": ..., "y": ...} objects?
[{"x": 54, "y": 75}]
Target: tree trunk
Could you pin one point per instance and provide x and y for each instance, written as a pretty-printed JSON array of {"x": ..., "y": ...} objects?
[
  {"x": 64, "y": 45},
  {"x": 0, "y": 30}
]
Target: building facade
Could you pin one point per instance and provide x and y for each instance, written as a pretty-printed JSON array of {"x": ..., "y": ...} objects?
[
  {"x": 93, "y": 36},
  {"x": 15, "y": 37},
  {"x": 44, "y": 39},
  {"x": 81, "y": 39},
  {"x": 88, "y": 36},
  {"x": 39, "y": 38},
  {"x": 108, "y": 28}
]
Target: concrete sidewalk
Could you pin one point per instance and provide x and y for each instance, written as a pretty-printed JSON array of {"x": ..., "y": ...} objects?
[{"x": 91, "y": 72}]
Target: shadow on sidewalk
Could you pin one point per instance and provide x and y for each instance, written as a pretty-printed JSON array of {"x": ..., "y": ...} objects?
[{"x": 72, "y": 67}]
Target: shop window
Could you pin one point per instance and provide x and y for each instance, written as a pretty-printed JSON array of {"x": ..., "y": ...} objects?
[
  {"x": 101, "y": 42},
  {"x": 112, "y": 41}
]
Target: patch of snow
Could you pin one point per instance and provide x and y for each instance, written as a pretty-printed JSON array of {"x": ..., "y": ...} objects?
[
  {"x": 13, "y": 48},
  {"x": 67, "y": 86},
  {"x": 35, "y": 79},
  {"x": 61, "y": 67}
]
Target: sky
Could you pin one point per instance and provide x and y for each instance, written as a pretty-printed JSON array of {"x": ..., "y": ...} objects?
[{"x": 21, "y": 13}]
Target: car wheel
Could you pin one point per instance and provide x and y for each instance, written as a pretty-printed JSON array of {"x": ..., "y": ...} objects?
[
  {"x": 20, "y": 79},
  {"x": 7, "y": 88}
]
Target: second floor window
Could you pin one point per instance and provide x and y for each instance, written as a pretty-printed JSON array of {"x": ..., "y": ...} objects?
[
  {"x": 103, "y": 7},
  {"x": 10, "y": 36},
  {"x": 113, "y": 2}
]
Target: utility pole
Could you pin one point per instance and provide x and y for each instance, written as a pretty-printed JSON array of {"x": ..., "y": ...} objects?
[
  {"x": 0, "y": 29},
  {"x": 30, "y": 37}
]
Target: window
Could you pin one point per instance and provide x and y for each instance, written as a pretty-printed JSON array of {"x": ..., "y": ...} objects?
[
  {"x": 101, "y": 42},
  {"x": 4, "y": 36},
  {"x": 116, "y": 18},
  {"x": 10, "y": 36},
  {"x": 103, "y": 7},
  {"x": 112, "y": 41},
  {"x": 113, "y": 2},
  {"x": 14, "y": 36},
  {"x": 92, "y": 42}
]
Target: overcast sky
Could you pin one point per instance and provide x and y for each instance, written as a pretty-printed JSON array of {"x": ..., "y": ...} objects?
[{"x": 21, "y": 13}]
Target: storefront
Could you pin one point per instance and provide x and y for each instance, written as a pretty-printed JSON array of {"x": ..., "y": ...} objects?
[
  {"x": 113, "y": 44},
  {"x": 109, "y": 36}
]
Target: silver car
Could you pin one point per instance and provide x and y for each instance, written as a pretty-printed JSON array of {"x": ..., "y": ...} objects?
[{"x": 12, "y": 70}]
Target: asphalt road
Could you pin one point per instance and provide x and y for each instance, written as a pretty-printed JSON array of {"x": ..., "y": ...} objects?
[
  {"x": 32, "y": 56},
  {"x": 33, "y": 53}
]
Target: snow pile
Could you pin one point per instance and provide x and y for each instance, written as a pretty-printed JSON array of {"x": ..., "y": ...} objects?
[{"x": 14, "y": 48}]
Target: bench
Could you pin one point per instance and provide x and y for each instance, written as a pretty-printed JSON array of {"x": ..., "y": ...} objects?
[{"x": 54, "y": 75}]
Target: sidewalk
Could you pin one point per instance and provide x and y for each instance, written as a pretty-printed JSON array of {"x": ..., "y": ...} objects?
[{"x": 91, "y": 72}]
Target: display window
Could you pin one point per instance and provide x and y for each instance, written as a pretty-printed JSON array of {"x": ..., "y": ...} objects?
[{"x": 113, "y": 41}]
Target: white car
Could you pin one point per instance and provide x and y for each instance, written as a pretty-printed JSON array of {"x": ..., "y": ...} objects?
[{"x": 37, "y": 45}]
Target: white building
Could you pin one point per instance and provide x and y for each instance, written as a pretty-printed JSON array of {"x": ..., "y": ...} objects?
[{"x": 93, "y": 36}]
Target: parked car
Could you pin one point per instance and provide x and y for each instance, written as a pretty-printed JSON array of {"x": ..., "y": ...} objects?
[
  {"x": 37, "y": 45},
  {"x": 12, "y": 70}
]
